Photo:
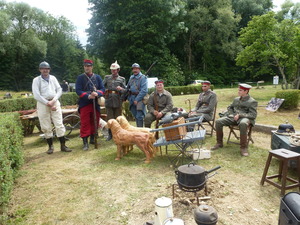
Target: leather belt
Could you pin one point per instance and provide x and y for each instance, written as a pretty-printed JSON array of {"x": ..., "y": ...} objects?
[
  {"x": 133, "y": 93},
  {"x": 49, "y": 99},
  {"x": 112, "y": 92}
]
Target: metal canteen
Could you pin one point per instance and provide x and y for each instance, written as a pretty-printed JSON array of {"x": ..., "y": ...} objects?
[{"x": 192, "y": 176}]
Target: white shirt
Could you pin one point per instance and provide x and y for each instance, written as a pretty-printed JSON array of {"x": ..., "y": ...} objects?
[{"x": 44, "y": 91}]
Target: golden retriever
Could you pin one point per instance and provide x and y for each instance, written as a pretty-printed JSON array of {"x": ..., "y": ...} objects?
[{"x": 123, "y": 138}]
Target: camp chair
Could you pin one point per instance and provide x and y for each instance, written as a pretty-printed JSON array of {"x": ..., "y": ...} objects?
[
  {"x": 233, "y": 129},
  {"x": 210, "y": 124}
]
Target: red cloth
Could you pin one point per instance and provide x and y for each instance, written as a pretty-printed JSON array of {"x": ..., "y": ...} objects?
[{"x": 87, "y": 120}]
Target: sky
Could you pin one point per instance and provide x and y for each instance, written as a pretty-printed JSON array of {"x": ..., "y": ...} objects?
[{"x": 77, "y": 12}]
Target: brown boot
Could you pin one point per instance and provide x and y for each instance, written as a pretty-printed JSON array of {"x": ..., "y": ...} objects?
[
  {"x": 63, "y": 146},
  {"x": 243, "y": 145},
  {"x": 219, "y": 140}
]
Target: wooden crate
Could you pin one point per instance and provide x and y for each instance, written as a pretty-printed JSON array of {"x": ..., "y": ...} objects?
[{"x": 175, "y": 133}]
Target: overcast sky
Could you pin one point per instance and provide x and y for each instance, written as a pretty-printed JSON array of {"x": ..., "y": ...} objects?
[{"x": 77, "y": 12}]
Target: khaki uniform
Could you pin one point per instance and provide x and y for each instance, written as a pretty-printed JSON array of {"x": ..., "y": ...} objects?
[
  {"x": 205, "y": 105},
  {"x": 246, "y": 108},
  {"x": 113, "y": 101},
  {"x": 165, "y": 106}
]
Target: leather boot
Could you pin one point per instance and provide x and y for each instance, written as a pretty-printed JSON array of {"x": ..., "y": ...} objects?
[
  {"x": 243, "y": 145},
  {"x": 109, "y": 135},
  {"x": 219, "y": 140},
  {"x": 92, "y": 139},
  {"x": 63, "y": 146},
  {"x": 85, "y": 144},
  {"x": 50, "y": 143}
]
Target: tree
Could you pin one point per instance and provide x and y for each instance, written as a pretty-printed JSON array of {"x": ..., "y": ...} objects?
[
  {"x": 269, "y": 44},
  {"x": 136, "y": 31}
]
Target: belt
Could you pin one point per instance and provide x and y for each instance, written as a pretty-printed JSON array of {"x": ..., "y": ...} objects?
[
  {"x": 49, "y": 99},
  {"x": 112, "y": 92},
  {"x": 133, "y": 93}
]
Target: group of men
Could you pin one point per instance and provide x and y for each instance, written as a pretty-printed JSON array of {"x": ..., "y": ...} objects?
[{"x": 90, "y": 86}]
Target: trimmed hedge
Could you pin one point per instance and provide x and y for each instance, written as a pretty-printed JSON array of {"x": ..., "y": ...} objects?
[
  {"x": 11, "y": 156},
  {"x": 183, "y": 90},
  {"x": 291, "y": 98},
  {"x": 18, "y": 104}
]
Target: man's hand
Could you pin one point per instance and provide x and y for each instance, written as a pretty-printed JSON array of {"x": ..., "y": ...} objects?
[
  {"x": 135, "y": 102},
  {"x": 51, "y": 103},
  {"x": 236, "y": 117},
  {"x": 192, "y": 113},
  {"x": 155, "y": 113},
  {"x": 91, "y": 96},
  {"x": 119, "y": 88},
  {"x": 159, "y": 115},
  {"x": 94, "y": 94},
  {"x": 53, "y": 108}
]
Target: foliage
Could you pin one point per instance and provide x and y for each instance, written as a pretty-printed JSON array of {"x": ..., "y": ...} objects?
[
  {"x": 269, "y": 45},
  {"x": 29, "y": 36},
  {"x": 19, "y": 104},
  {"x": 11, "y": 156},
  {"x": 136, "y": 31},
  {"x": 291, "y": 98}
]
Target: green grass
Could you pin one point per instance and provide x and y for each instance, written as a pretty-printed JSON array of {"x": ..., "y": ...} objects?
[{"x": 92, "y": 188}]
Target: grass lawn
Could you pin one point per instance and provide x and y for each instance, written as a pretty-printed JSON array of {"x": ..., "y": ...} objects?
[{"x": 92, "y": 188}]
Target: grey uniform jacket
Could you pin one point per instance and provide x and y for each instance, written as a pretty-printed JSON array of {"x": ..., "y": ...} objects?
[
  {"x": 245, "y": 107},
  {"x": 165, "y": 102},
  {"x": 206, "y": 103},
  {"x": 112, "y": 96}
]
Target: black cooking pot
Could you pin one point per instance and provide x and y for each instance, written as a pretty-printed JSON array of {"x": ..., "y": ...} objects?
[{"x": 192, "y": 176}]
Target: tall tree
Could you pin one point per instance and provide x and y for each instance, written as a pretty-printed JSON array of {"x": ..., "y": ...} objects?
[
  {"x": 269, "y": 44},
  {"x": 136, "y": 31}
]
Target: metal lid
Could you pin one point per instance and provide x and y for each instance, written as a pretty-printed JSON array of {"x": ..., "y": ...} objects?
[
  {"x": 191, "y": 169},
  {"x": 173, "y": 221},
  {"x": 163, "y": 202},
  {"x": 292, "y": 200}
]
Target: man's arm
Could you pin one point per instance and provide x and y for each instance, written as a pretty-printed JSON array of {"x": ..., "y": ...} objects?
[
  {"x": 169, "y": 105},
  {"x": 252, "y": 113},
  {"x": 36, "y": 91},
  {"x": 211, "y": 105},
  {"x": 151, "y": 105}
]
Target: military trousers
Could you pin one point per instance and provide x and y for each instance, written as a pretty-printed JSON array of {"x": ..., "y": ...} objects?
[
  {"x": 47, "y": 116},
  {"x": 149, "y": 118},
  {"x": 113, "y": 113},
  {"x": 226, "y": 121}
]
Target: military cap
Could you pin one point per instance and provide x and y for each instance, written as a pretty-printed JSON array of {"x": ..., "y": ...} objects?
[
  {"x": 206, "y": 82},
  {"x": 245, "y": 86},
  {"x": 88, "y": 62},
  {"x": 159, "y": 82}
]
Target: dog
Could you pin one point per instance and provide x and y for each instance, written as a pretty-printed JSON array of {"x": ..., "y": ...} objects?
[
  {"x": 123, "y": 138},
  {"x": 126, "y": 125}
]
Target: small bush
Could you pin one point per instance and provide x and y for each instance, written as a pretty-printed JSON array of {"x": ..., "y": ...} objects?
[
  {"x": 11, "y": 156},
  {"x": 291, "y": 98}
]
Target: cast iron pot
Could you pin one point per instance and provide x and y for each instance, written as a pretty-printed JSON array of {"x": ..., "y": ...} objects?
[{"x": 192, "y": 176}]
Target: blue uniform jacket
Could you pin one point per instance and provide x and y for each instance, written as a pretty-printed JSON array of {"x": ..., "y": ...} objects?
[
  {"x": 137, "y": 83},
  {"x": 84, "y": 87}
]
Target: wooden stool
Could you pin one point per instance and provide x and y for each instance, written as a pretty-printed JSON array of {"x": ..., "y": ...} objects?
[{"x": 284, "y": 156}]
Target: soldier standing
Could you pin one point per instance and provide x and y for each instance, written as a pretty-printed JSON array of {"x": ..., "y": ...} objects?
[
  {"x": 114, "y": 86},
  {"x": 160, "y": 103},
  {"x": 206, "y": 103},
  {"x": 241, "y": 112},
  {"x": 46, "y": 90},
  {"x": 89, "y": 87},
  {"x": 138, "y": 88}
]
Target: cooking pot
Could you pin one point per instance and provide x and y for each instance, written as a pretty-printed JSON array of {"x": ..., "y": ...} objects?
[{"x": 192, "y": 176}]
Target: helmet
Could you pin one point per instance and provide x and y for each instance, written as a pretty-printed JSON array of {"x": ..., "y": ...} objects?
[
  {"x": 286, "y": 128},
  {"x": 115, "y": 66},
  {"x": 44, "y": 65},
  {"x": 135, "y": 65}
]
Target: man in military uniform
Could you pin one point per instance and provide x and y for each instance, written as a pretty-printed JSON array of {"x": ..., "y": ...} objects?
[
  {"x": 160, "y": 103},
  {"x": 89, "y": 87},
  {"x": 114, "y": 86},
  {"x": 46, "y": 90},
  {"x": 206, "y": 103},
  {"x": 138, "y": 88},
  {"x": 241, "y": 112}
]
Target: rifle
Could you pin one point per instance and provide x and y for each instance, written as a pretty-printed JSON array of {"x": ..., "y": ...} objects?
[
  {"x": 95, "y": 124},
  {"x": 150, "y": 68},
  {"x": 157, "y": 120}
]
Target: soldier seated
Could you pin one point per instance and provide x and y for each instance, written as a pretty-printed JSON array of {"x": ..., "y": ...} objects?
[
  {"x": 241, "y": 112},
  {"x": 160, "y": 103}
]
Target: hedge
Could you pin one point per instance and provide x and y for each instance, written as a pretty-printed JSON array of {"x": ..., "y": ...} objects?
[
  {"x": 18, "y": 104},
  {"x": 183, "y": 90},
  {"x": 291, "y": 98},
  {"x": 11, "y": 157}
]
